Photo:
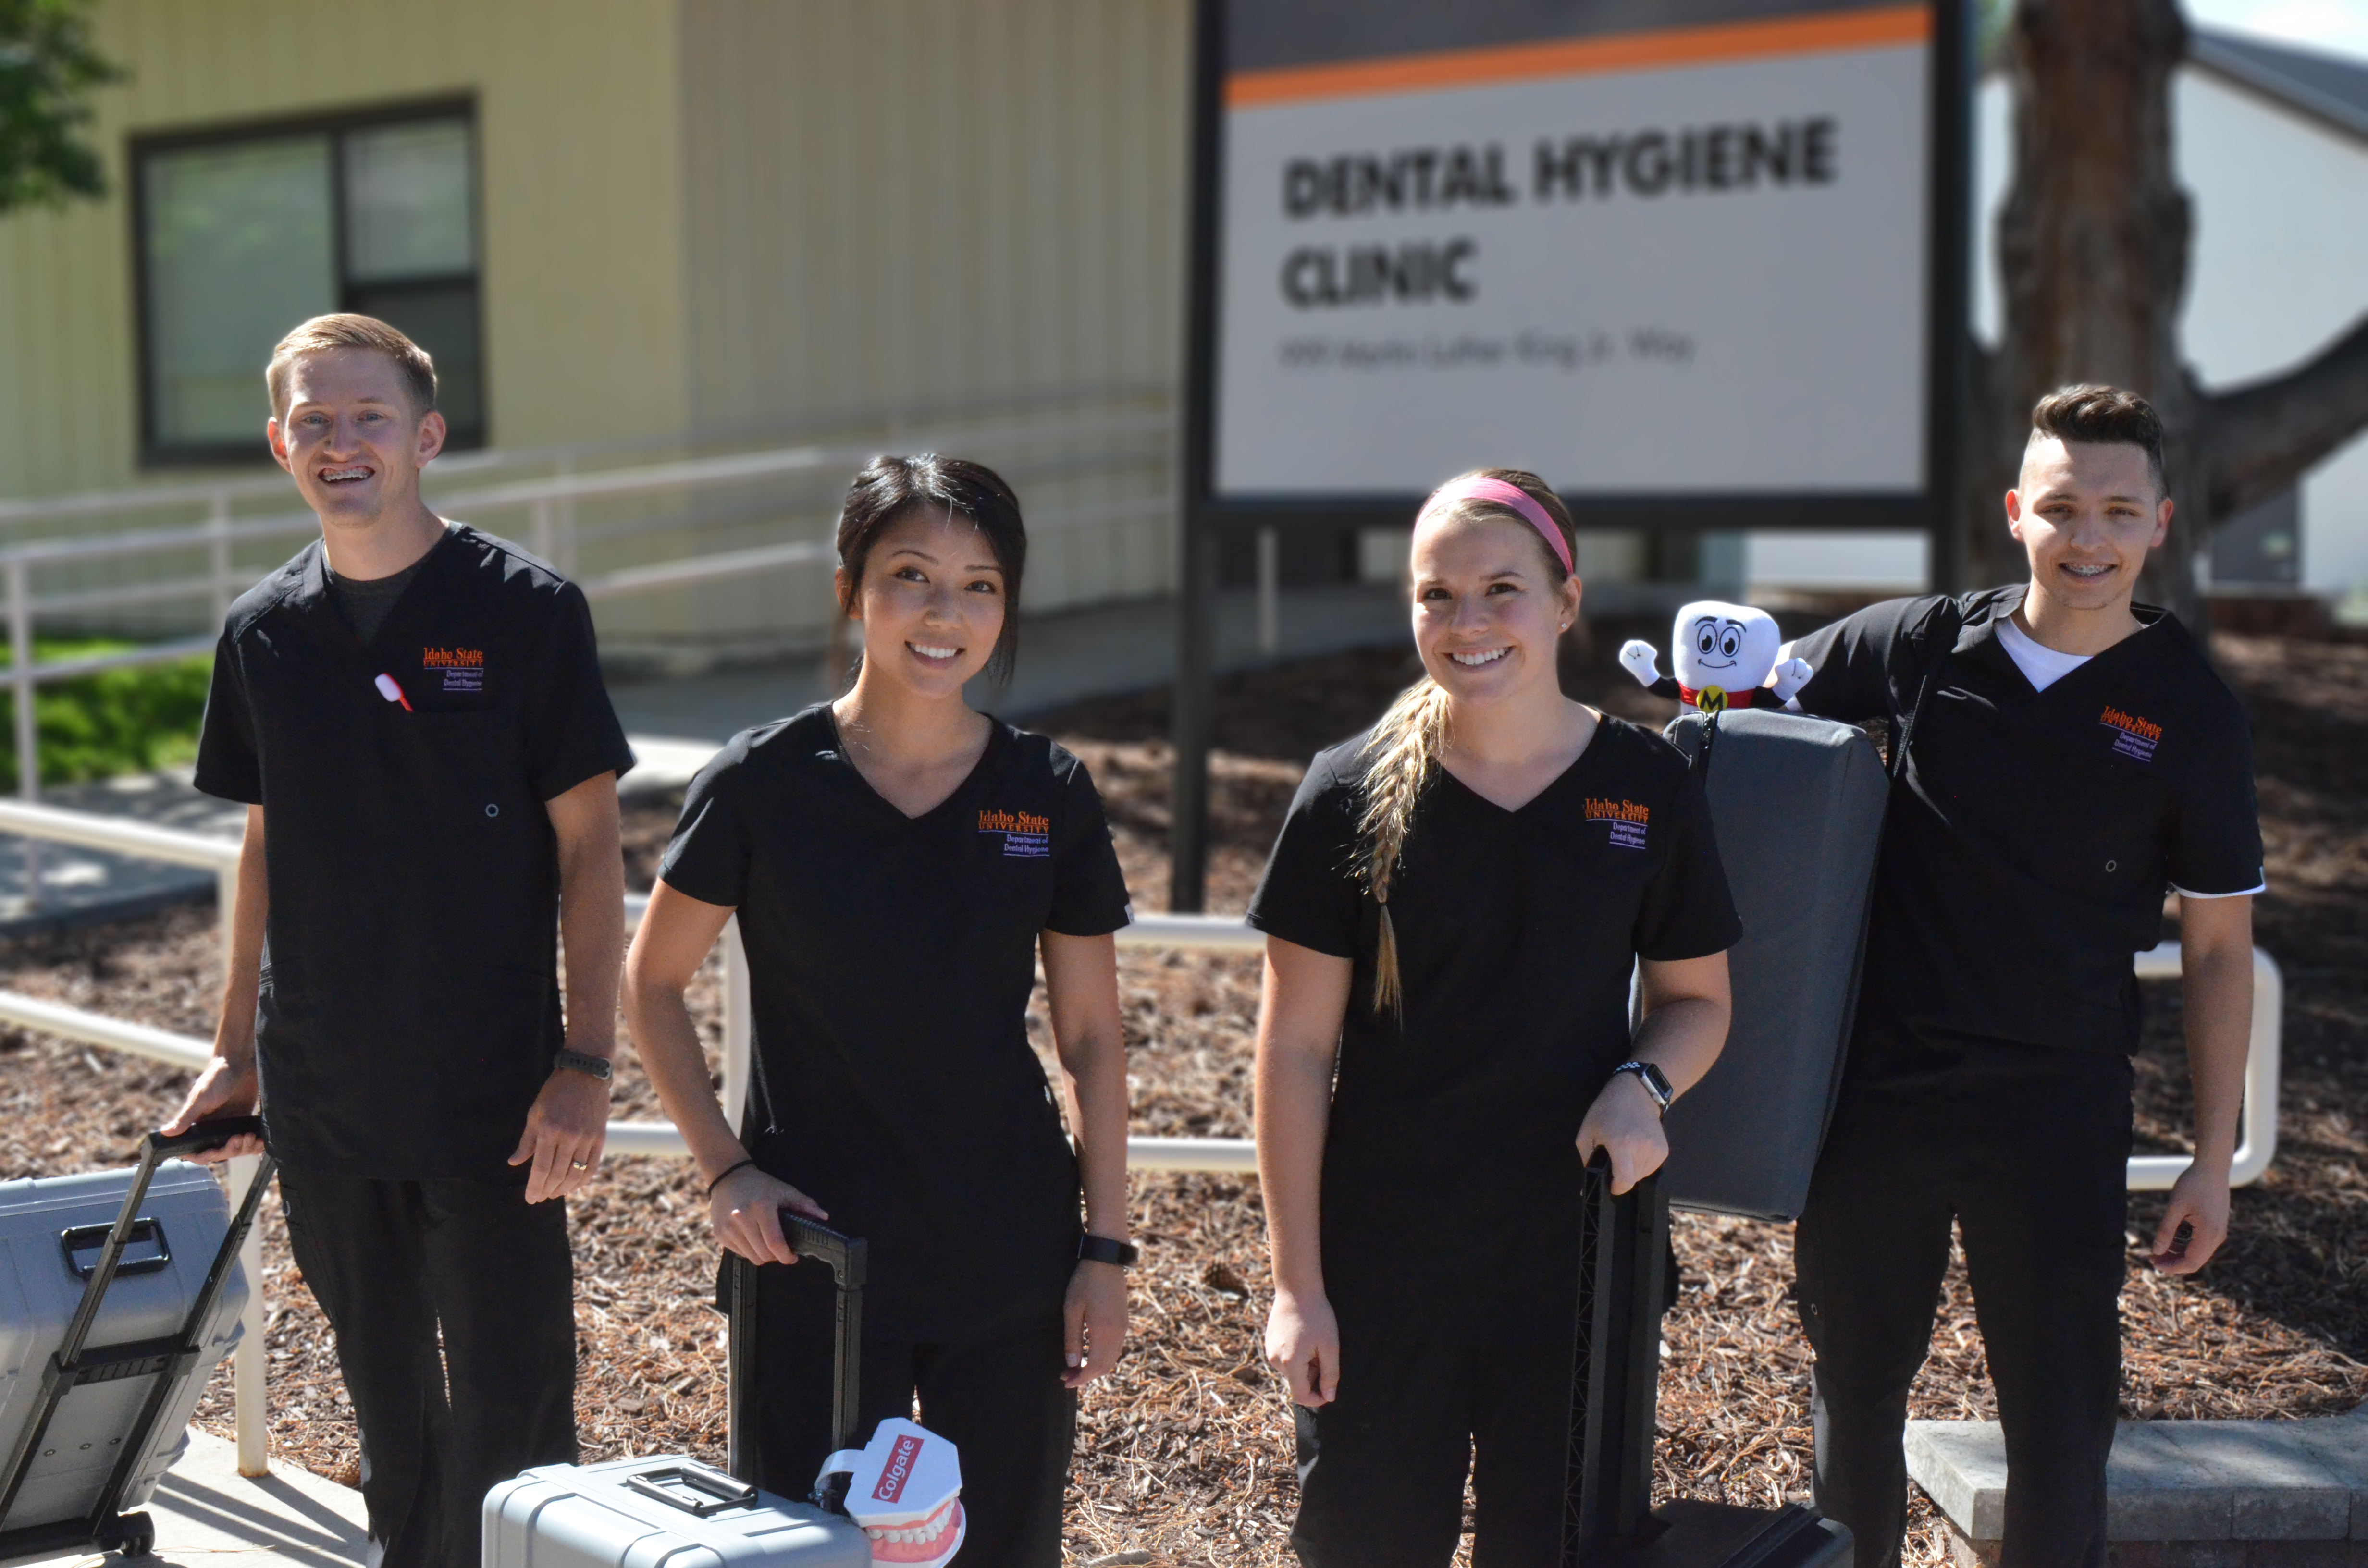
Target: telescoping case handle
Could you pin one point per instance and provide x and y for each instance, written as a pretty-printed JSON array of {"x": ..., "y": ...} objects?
[{"x": 845, "y": 1256}]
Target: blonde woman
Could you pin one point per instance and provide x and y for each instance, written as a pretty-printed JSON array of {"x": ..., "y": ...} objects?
[{"x": 1453, "y": 913}]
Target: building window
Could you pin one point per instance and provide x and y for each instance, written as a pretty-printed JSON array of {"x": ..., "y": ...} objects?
[{"x": 241, "y": 236}]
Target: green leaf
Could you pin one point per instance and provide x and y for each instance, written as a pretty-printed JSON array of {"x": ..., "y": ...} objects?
[{"x": 47, "y": 71}]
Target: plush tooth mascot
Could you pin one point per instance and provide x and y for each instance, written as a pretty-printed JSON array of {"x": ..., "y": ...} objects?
[{"x": 1724, "y": 654}]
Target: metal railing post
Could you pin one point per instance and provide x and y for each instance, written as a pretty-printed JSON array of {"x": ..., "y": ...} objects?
[
  {"x": 739, "y": 1025},
  {"x": 1269, "y": 590},
  {"x": 250, "y": 1396},
  {"x": 249, "y": 1404},
  {"x": 218, "y": 555},
  {"x": 28, "y": 734}
]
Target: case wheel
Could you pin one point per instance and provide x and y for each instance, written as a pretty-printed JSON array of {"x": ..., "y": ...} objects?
[{"x": 139, "y": 1536}]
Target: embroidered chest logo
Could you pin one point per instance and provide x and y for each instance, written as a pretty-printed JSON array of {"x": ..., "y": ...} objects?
[
  {"x": 2133, "y": 736},
  {"x": 1626, "y": 820},
  {"x": 464, "y": 669},
  {"x": 1025, "y": 835}
]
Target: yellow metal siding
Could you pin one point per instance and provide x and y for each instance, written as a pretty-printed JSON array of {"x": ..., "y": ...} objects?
[
  {"x": 729, "y": 221},
  {"x": 893, "y": 200},
  {"x": 578, "y": 145},
  {"x": 899, "y": 204}
]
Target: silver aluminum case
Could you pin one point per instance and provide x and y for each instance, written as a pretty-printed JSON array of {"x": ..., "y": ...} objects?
[
  {"x": 39, "y": 1293},
  {"x": 565, "y": 1515}
]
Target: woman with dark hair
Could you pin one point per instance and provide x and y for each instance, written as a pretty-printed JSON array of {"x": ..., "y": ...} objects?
[
  {"x": 1453, "y": 913},
  {"x": 898, "y": 861}
]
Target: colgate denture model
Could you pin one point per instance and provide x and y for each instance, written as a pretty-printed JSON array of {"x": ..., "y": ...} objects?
[{"x": 905, "y": 1490}]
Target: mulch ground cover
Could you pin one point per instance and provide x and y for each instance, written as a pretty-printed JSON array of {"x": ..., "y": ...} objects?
[{"x": 1184, "y": 1453}]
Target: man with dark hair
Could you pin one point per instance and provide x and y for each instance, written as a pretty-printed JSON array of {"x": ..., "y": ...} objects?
[
  {"x": 2070, "y": 758},
  {"x": 413, "y": 712}
]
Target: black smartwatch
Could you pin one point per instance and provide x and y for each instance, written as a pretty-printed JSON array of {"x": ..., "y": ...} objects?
[
  {"x": 1101, "y": 1249},
  {"x": 1656, "y": 1083},
  {"x": 584, "y": 1062}
]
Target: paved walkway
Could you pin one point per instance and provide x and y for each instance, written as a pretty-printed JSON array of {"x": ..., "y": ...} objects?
[
  {"x": 79, "y": 885},
  {"x": 209, "y": 1516}
]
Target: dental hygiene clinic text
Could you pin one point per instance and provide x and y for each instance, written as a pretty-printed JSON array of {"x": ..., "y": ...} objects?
[{"x": 1641, "y": 165}]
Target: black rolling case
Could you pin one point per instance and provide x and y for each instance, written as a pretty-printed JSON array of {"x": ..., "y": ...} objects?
[
  {"x": 1609, "y": 1521},
  {"x": 89, "y": 1431}
]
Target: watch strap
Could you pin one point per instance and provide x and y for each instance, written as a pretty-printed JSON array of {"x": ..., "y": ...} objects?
[
  {"x": 586, "y": 1064},
  {"x": 1101, "y": 1249}
]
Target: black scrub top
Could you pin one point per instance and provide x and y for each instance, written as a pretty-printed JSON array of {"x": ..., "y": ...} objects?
[
  {"x": 1451, "y": 1171},
  {"x": 890, "y": 960},
  {"x": 2033, "y": 834},
  {"x": 409, "y": 1011}
]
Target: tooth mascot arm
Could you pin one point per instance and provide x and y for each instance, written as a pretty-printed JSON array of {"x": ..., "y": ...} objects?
[
  {"x": 1644, "y": 665},
  {"x": 1726, "y": 657}
]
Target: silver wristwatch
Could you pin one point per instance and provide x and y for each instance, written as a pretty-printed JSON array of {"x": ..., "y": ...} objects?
[{"x": 1656, "y": 1081}]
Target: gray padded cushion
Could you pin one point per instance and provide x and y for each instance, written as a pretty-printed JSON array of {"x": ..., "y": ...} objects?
[{"x": 1798, "y": 804}]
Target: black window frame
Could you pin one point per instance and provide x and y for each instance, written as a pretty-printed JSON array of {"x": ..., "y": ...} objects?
[{"x": 154, "y": 453}]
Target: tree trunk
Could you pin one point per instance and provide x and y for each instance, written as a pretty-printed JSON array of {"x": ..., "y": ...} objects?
[
  {"x": 2092, "y": 254},
  {"x": 2093, "y": 248}
]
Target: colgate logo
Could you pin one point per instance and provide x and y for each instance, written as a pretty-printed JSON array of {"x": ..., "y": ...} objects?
[{"x": 898, "y": 1471}]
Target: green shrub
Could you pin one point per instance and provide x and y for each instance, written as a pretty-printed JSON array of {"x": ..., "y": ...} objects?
[{"x": 126, "y": 720}]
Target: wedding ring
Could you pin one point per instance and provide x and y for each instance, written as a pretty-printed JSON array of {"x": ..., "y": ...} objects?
[{"x": 577, "y": 1166}]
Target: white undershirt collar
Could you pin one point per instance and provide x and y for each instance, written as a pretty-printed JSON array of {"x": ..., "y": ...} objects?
[{"x": 2041, "y": 665}]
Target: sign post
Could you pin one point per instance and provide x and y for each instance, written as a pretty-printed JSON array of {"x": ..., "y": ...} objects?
[{"x": 1700, "y": 264}]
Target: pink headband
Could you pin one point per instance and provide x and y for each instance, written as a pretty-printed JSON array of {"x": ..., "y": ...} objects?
[{"x": 1503, "y": 495}]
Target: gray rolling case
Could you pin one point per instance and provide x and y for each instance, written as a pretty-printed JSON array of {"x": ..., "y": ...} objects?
[
  {"x": 1798, "y": 804},
  {"x": 120, "y": 1293},
  {"x": 673, "y": 1510}
]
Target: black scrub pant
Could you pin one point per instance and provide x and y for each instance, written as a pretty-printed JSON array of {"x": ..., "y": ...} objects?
[
  {"x": 2026, "y": 1147},
  {"x": 998, "y": 1399},
  {"x": 393, "y": 1263},
  {"x": 1381, "y": 1467}
]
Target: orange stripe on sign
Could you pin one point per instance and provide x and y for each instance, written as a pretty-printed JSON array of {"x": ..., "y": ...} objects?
[{"x": 1827, "y": 32}]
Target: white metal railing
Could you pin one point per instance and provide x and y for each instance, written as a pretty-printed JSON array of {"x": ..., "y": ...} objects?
[
  {"x": 1208, "y": 933},
  {"x": 548, "y": 504}
]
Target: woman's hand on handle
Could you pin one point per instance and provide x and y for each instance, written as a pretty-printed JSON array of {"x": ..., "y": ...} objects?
[
  {"x": 1094, "y": 1320},
  {"x": 1303, "y": 1345},
  {"x": 747, "y": 1207},
  {"x": 1625, "y": 1123}
]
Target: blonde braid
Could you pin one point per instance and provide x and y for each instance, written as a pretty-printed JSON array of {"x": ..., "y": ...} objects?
[{"x": 1406, "y": 745}]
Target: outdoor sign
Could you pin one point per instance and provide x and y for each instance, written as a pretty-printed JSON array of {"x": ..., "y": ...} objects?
[
  {"x": 1699, "y": 263},
  {"x": 1657, "y": 250}
]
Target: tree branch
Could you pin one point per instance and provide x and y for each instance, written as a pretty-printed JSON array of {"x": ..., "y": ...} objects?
[{"x": 2259, "y": 439}]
